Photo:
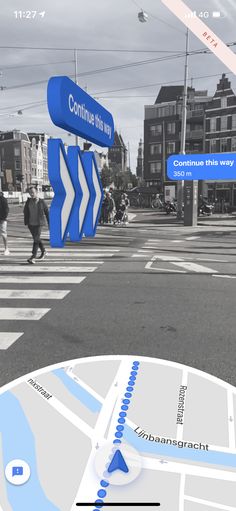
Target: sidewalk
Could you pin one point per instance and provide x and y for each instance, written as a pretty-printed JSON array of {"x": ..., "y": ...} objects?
[{"x": 223, "y": 220}]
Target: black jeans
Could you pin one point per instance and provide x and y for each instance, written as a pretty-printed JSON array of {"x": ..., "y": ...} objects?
[{"x": 36, "y": 233}]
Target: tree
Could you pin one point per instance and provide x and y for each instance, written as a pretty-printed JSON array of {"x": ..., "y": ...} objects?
[{"x": 106, "y": 176}]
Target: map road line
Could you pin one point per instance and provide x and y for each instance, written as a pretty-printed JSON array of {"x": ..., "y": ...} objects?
[
  {"x": 67, "y": 414},
  {"x": 183, "y": 468},
  {"x": 215, "y": 505},
  {"x": 231, "y": 425},
  {"x": 85, "y": 386},
  {"x": 181, "y": 492},
  {"x": 89, "y": 479}
]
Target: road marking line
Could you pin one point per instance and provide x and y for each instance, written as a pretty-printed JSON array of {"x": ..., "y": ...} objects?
[
  {"x": 146, "y": 251},
  {"x": 212, "y": 260},
  {"x": 225, "y": 276},
  {"x": 194, "y": 267},
  {"x": 192, "y": 238},
  {"x": 167, "y": 258},
  {"x": 139, "y": 255},
  {"x": 215, "y": 505},
  {"x": 37, "y": 294},
  {"x": 21, "y": 260},
  {"x": 47, "y": 269},
  {"x": 75, "y": 251},
  {"x": 8, "y": 338},
  {"x": 150, "y": 267},
  {"x": 16, "y": 313},
  {"x": 35, "y": 279},
  {"x": 176, "y": 241}
]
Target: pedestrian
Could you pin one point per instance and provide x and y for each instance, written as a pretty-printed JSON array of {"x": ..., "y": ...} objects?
[
  {"x": 35, "y": 212},
  {"x": 4, "y": 210},
  {"x": 111, "y": 208}
]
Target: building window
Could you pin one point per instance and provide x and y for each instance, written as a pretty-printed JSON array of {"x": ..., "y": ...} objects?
[
  {"x": 213, "y": 124},
  {"x": 170, "y": 147},
  {"x": 213, "y": 145},
  {"x": 17, "y": 165},
  {"x": 171, "y": 128},
  {"x": 155, "y": 129},
  {"x": 224, "y": 102},
  {"x": 16, "y": 151},
  {"x": 223, "y": 145},
  {"x": 155, "y": 148},
  {"x": 155, "y": 167},
  {"x": 166, "y": 111},
  {"x": 233, "y": 144},
  {"x": 234, "y": 122},
  {"x": 224, "y": 122}
]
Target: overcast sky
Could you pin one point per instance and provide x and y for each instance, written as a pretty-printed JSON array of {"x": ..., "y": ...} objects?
[{"x": 108, "y": 25}]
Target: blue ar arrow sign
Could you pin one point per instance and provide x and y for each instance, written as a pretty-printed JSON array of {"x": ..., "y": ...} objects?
[
  {"x": 96, "y": 194},
  {"x": 76, "y": 197}
]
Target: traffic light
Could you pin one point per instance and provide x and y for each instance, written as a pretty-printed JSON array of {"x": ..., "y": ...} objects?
[{"x": 86, "y": 146}]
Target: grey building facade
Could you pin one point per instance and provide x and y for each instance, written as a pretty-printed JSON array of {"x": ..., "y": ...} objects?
[
  {"x": 220, "y": 137},
  {"x": 117, "y": 154},
  {"x": 162, "y": 131},
  {"x": 15, "y": 160}
]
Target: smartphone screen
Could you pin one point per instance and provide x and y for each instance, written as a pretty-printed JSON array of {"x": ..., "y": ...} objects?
[{"x": 117, "y": 263}]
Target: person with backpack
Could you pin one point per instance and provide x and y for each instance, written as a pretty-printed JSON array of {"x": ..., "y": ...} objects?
[
  {"x": 35, "y": 213},
  {"x": 4, "y": 210}
]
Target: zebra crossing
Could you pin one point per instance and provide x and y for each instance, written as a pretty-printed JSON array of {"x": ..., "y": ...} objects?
[{"x": 69, "y": 266}]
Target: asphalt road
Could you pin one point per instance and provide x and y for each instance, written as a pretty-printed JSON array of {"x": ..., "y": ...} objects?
[{"x": 153, "y": 288}]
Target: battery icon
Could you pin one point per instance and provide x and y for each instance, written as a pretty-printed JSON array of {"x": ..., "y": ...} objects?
[{"x": 216, "y": 14}]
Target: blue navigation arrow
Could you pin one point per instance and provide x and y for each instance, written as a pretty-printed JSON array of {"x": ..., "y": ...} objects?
[{"x": 118, "y": 463}]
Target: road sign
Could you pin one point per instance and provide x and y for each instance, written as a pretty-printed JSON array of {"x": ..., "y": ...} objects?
[
  {"x": 211, "y": 166},
  {"x": 76, "y": 205},
  {"x": 72, "y": 109}
]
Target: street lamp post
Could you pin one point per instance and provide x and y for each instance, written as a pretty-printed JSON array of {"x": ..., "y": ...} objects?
[{"x": 180, "y": 184}]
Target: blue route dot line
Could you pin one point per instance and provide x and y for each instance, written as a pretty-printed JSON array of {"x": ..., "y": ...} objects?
[{"x": 119, "y": 429}]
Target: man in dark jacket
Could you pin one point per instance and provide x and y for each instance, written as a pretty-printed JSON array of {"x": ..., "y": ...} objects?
[
  {"x": 35, "y": 212},
  {"x": 4, "y": 210}
]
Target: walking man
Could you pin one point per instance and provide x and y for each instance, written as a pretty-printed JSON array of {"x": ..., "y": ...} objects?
[
  {"x": 35, "y": 212},
  {"x": 4, "y": 210}
]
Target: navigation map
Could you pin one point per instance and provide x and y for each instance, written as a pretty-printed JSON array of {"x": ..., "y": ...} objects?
[{"x": 117, "y": 429}]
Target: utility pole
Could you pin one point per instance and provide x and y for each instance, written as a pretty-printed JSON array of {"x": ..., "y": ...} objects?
[
  {"x": 180, "y": 184},
  {"x": 163, "y": 157},
  {"x": 76, "y": 81}
]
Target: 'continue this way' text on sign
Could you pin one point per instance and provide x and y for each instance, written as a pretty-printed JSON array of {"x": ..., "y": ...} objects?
[
  {"x": 201, "y": 166},
  {"x": 72, "y": 109}
]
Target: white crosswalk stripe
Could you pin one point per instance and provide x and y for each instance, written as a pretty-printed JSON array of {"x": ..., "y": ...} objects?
[
  {"x": 17, "y": 313},
  {"x": 46, "y": 269},
  {"x": 67, "y": 265},
  {"x": 8, "y": 338},
  {"x": 37, "y": 294},
  {"x": 34, "y": 279}
]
